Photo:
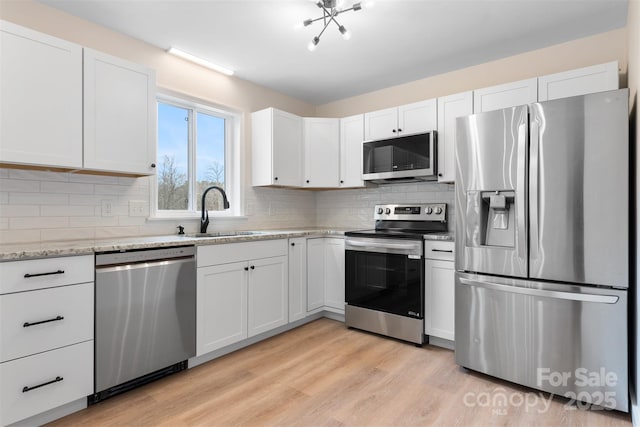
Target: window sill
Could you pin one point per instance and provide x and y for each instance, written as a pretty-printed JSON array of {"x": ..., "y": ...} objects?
[{"x": 189, "y": 216}]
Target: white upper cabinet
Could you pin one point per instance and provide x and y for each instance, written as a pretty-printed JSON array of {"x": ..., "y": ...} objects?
[
  {"x": 40, "y": 99},
  {"x": 417, "y": 117},
  {"x": 351, "y": 137},
  {"x": 398, "y": 121},
  {"x": 276, "y": 148},
  {"x": 449, "y": 109},
  {"x": 597, "y": 78},
  {"x": 505, "y": 95},
  {"x": 381, "y": 124},
  {"x": 119, "y": 115},
  {"x": 321, "y": 152}
]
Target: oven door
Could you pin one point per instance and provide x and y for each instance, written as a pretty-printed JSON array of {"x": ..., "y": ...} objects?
[{"x": 385, "y": 275}]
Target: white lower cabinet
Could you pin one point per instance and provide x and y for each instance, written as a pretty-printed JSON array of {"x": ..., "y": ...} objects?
[
  {"x": 46, "y": 335},
  {"x": 325, "y": 274},
  {"x": 242, "y": 291},
  {"x": 221, "y": 309},
  {"x": 297, "y": 278},
  {"x": 315, "y": 274},
  {"x": 439, "y": 290}
]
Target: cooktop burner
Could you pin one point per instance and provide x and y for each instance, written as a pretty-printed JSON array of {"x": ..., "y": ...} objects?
[{"x": 406, "y": 221}]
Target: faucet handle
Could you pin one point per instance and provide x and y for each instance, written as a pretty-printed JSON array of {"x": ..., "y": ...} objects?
[
  {"x": 204, "y": 222},
  {"x": 180, "y": 229}
]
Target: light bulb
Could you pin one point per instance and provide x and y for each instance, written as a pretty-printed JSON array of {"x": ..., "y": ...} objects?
[
  {"x": 345, "y": 33},
  {"x": 313, "y": 44}
]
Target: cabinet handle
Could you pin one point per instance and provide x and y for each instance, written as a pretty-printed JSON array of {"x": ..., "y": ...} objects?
[
  {"x": 26, "y": 276},
  {"x": 253, "y": 267},
  {"x": 293, "y": 244},
  {"x": 341, "y": 182},
  {"x": 153, "y": 165},
  {"x": 439, "y": 174},
  {"x": 307, "y": 181},
  {"x": 246, "y": 269},
  {"x": 441, "y": 250},
  {"x": 399, "y": 130},
  {"x": 55, "y": 319},
  {"x": 56, "y": 380},
  {"x": 275, "y": 179},
  {"x": 394, "y": 131}
]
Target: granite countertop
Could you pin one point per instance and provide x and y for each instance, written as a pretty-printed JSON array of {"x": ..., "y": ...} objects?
[{"x": 19, "y": 251}]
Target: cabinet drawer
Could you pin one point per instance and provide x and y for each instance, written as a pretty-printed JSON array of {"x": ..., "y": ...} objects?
[
  {"x": 444, "y": 250},
  {"x": 236, "y": 252},
  {"x": 73, "y": 304},
  {"x": 73, "y": 365},
  {"x": 19, "y": 276}
]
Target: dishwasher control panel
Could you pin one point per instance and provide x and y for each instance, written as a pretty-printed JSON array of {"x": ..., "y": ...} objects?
[{"x": 142, "y": 255}]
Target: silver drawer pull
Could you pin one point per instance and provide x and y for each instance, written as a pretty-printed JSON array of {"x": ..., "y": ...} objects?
[
  {"x": 441, "y": 250},
  {"x": 55, "y": 319},
  {"x": 26, "y": 276},
  {"x": 56, "y": 380}
]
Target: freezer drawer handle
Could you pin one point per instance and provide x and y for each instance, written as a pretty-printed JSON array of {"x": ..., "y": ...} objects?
[
  {"x": 441, "y": 250},
  {"x": 55, "y": 319},
  {"x": 26, "y": 276},
  {"x": 56, "y": 380},
  {"x": 605, "y": 299}
]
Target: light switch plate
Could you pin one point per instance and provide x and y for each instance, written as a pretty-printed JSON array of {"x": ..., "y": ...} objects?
[{"x": 138, "y": 208}]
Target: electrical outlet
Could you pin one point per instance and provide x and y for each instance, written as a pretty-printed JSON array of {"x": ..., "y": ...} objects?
[
  {"x": 107, "y": 208},
  {"x": 137, "y": 208}
]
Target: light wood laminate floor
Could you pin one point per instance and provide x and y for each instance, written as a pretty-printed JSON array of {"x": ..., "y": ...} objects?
[{"x": 323, "y": 374}]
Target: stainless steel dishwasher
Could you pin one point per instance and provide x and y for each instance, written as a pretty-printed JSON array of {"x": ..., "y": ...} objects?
[{"x": 145, "y": 316}]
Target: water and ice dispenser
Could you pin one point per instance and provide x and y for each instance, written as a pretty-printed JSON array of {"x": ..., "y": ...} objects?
[{"x": 491, "y": 218}]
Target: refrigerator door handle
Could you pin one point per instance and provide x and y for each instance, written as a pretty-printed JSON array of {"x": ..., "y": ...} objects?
[
  {"x": 534, "y": 190},
  {"x": 572, "y": 296},
  {"x": 521, "y": 191}
]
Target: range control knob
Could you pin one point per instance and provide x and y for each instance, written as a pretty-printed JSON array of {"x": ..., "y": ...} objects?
[
  {"x": 428, "y": 210},
  {"x": 387, "y": 211},
  {"x": 438, "y": 210},
  {"x": 380, "y": 210}
]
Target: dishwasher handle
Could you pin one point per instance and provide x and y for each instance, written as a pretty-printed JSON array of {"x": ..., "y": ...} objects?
[{"x": 142, "y": 265}]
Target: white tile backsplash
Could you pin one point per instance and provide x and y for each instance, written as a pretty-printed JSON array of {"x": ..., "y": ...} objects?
[{"x": 42, "y": 206}]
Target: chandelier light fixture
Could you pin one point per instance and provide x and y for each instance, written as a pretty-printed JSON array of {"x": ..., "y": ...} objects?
[{"x": 330, "y": 14}]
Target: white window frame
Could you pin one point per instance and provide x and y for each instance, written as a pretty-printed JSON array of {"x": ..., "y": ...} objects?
[{"x": 232, "y": 173}]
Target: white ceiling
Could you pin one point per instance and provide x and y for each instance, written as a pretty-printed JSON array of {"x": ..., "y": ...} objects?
[{"x": 394, "y": 42}]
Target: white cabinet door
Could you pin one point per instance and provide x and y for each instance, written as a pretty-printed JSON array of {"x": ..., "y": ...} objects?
[
  {"x": 351, "y": 137},
  {"x": 40, "y": 99},
  {"x": 381, "y": 124},
  {"x": 119, "y": 115},
  {"x": 597, "y": 78},
  {"x": 439, "y": 299},
  {"x": 297, "y": 279},
  {"x": 221, "y": 311},
  {"x": 321, "y": 152},
  {"x": 268, "y": 294},
  {"x": 334, "y": 273},
  {"x": 417, "y": 117},
  {"x": 505, "y": 95},
  {"x": 449, "y": 109},
  {"x": 315, "y": 274},
  {"x": 277, "y": 155}
]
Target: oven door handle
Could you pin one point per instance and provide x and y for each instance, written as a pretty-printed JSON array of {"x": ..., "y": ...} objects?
[{"x": 405, "y": 248}]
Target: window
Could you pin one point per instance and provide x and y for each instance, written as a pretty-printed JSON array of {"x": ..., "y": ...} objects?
[{"x": 195, "y": 151}]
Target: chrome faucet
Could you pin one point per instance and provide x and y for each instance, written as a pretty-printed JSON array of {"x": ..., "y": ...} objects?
[{"x": 204, "y": 220}]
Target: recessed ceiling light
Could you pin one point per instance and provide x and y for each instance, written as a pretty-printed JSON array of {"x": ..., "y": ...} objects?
[{"x": 189, "y": 57}]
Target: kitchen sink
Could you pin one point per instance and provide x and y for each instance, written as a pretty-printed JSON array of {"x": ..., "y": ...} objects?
[{"x": 224, "y": 234}]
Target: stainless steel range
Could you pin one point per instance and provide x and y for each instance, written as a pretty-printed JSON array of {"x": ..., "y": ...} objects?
[{"x": 384, "y": 270}]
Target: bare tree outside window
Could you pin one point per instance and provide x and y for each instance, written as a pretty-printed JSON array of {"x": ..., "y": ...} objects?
[{"x": 173, "y": 186}]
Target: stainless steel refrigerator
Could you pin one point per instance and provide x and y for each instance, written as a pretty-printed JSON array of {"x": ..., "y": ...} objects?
[{"x": 542, "y": 246}]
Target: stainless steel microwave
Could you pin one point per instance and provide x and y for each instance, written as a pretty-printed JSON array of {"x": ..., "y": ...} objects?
[{"x": 402, "y": 159}]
